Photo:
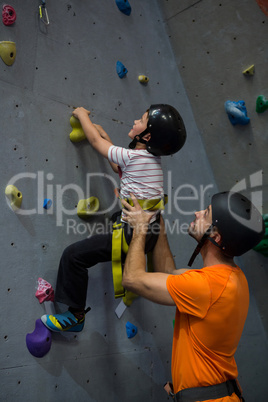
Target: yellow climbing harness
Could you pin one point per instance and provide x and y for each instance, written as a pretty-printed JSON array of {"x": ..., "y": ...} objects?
[{"x": 119, "y": 245}]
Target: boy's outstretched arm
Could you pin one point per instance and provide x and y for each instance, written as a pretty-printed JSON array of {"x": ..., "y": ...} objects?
[
  {"x": 106, "y": 137},
  {"x": 96, "y": 141}
]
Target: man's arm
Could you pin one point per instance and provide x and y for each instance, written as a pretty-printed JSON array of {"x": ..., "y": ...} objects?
[
  {"x": 162, "y": 257},
  {"x": 96, "y": 141},
  {"x": 151, "y": 285}
]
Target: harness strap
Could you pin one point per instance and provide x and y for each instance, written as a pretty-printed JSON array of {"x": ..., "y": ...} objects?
[
  {"x": 151, "y": 204},
  {"x": 119, "y": 244},
  {"x": 117, "y": 241},
  {"x": 211, "y": 392}
]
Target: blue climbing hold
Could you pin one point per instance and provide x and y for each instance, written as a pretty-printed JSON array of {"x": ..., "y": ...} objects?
[
  {"x": 39, "y": 341},
  {"x": 47, "y": 203},
  {"x": 237, "y": 112},
  {"x": 123, "y": 6},
  {"x": 121, "y": 69},
  {"x": 131, "y": 330}
]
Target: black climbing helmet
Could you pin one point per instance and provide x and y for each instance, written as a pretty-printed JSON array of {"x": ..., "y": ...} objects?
[
  {"x": 238, "y": 221},
  {"x": 167, "y": 130}
]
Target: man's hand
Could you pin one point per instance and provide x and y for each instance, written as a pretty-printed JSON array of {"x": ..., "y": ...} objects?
[{"x": 135, "y": 216}]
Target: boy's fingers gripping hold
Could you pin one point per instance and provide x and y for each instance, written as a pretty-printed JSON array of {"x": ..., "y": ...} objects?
[{"x": 80, "y": 110}]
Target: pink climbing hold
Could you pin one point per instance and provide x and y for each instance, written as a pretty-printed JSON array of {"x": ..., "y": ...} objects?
[
  {"x": 44, "y": 292},
  {"x": 8, "y": 15}
]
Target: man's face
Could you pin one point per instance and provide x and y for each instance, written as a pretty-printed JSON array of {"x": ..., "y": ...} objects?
[
  {"x": 139, "y": 126},
  {"x": 203, "y": 220}
]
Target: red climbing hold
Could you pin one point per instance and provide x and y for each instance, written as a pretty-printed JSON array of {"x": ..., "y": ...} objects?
[{"x": 8, "y": 15}]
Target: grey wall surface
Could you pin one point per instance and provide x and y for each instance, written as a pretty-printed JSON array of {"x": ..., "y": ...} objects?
[
  {"x": 71, "y": 62},
  {"x": 213, "y": 43}
]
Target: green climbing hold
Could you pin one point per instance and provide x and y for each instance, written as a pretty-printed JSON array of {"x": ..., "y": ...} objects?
[
  {"x": 262, "y": 247},
  {"x": 261, "y": 104}
]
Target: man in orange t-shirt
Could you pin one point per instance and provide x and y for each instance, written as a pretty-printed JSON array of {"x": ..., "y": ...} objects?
[{"x": 211, "y": 303}]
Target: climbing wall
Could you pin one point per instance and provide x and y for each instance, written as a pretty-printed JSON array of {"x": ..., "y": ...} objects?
[{"x": 72, "y": 62}]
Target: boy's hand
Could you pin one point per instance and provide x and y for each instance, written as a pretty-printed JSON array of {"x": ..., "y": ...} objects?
[
  {"x": 80, "y": 111},
  {"x": 137, "y": 218}
]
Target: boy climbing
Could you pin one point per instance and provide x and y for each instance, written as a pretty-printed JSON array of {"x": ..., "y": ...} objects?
[{"x": 160, "y": 131}]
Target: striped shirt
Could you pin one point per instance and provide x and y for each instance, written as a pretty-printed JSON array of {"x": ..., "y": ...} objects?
[{"x": 142, "y": 172}]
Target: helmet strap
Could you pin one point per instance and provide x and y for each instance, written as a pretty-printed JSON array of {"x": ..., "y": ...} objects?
[
  {"x": 139, "y": 138},
  {"x": 200, "y": 245},
  {"x": 218, "y": 245}
]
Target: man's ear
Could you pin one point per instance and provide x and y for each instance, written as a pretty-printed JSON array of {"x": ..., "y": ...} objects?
[
  {"x": 216, "y": 236},
  {"x": 147, "y": 137}
]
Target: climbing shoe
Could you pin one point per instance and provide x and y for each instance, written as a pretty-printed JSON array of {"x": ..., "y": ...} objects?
[{"x": 63, "y": 322}]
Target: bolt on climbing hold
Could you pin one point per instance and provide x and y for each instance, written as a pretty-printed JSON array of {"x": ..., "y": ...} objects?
[
  {"x": 123, "y": 6},
  {"x": 250, "y": 70},
  {"x": 8, "y": 15},
  {"x": 131, "y": 330},
  {"x": 143, "y": 79},
  {"x": 43, "y": 13},
  {"x": 121, "y": 69},
  {"x": 261, "y": 104},
  {"x": 8, "y": 52},
  {"x": 47, "y": 203},
  {"x": 88, "y": 207},
  {"x": 14, "y": 197},
  {"x": 237, "y": 112},
  {"x": 39, "y": 341},
  {"x": 77, "y": 134}
]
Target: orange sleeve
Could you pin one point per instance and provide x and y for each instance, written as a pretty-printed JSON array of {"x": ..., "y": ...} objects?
[{"x": 191, "y": 292}]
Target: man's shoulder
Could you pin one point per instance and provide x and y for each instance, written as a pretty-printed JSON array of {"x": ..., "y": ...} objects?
[{"x": 220, "y": 268}]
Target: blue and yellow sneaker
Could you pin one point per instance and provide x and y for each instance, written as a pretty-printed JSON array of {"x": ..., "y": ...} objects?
[{"x": 63, "y": 322}]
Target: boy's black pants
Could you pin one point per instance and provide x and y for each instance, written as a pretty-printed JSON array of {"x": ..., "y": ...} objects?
[{"x": 72, "y": 280}]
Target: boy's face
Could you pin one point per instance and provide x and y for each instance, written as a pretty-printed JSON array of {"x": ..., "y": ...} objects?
[{"x": 139, "y": 126}]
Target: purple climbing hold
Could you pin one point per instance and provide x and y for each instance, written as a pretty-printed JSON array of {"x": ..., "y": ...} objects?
[
  {"x": 39, "y": 341},
  {"x": 237, "y": 112},
  {"x": 131, "y": 330},
  {"x": 121, "y": 69},
  {"x": 123, "y": 6}
]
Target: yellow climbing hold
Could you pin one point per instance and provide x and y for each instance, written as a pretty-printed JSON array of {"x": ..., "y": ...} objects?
[
  {"x": 77, "y": 134},
  {"x": 14, "y": 196},
  {"x": 8, "y": 52},
  {"x": 250, "y": 70},
  {"x": 88, "y": 207},
  {"x": 143, "y": 79}
]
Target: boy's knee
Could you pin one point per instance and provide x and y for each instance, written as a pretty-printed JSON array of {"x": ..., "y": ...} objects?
[{"x": 69, "y": 252}]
